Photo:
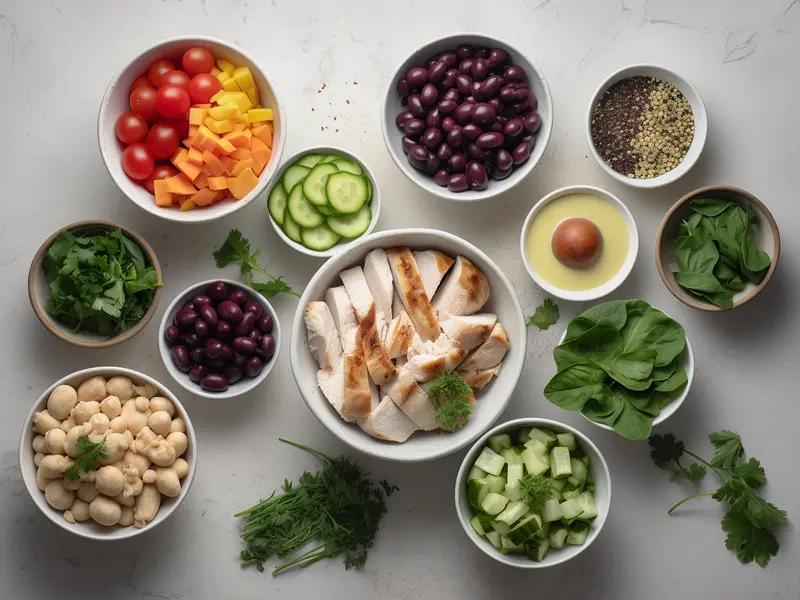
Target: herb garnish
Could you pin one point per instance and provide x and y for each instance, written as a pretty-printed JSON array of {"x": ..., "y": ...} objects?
[
  {"x": 546, "y": 314},
  {"x": 88, "y": 462},
  {"x": 749, "y": 517},
  {"x": 535, "y": 490},
  {"x": 236, "y": 249},
  {"x": 451, "y": 397},
  {"x": 339, "y": 507}
]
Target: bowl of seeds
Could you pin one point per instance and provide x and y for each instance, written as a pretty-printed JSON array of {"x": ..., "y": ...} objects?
[{"x": 646, "y": 126}]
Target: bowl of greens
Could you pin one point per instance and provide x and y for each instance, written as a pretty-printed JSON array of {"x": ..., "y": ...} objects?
[
  {"x": 94, "y": 284},
  {"x": 717, "y": 248},
  {"x": 625, "y": 365}
]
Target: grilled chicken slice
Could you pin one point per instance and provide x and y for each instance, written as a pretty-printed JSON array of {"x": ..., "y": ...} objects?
[
  {"x": 397, "y": 305},
  {"x": 464, "y": 291},
  {"x": 388, "y": 422},
  {"x": 441, "y": 346},
  {"x": 332, "y": 385},
  {"x": 425, "y": 367},
  {"x": 490, "y": 353},
  {"x": 323, "y": 339},
  {"x": 432, "y": 266},
  {"x": 409, "y": 285},
  {"x": 408, "y": 395},
  {"x": 399, "y": 336},
  {"x": 342, "y": 311},
  {"x": 480, "y": 379},
  {"x": 469, "y": 331},
  {"x": 379, "y": 280},
  {"x": 357, "y": 397}
]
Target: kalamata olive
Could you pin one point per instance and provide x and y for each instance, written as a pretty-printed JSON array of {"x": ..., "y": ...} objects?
[
  {"x": 527, "y": 138},
  {"x": 451, "y": 94},
  {"x": 491, "y": 87},
  {"x": 449, "y": 58},
  {"x": 172, "y": 334},
  {"x": 209, "y": 315},
  {"x": 456, "y": 137},
  {"x": 531, "y": 122},
  {"x": 255, "y": 335},
  {"x": 212, "y": 348},
  {"x": 457, "y": 163},
  {"x": 476, "y": 86},
  {"x": 513, "y": 127},
  {"x": 507, "y": 95},
  {"x": 232, "y": 373},
  {"x": 402, "y": 118},
  {"x": 214, "y": 382},
  {"x": 239, "y": 359},
  {"x": 481, "y": 53},
  {"x": 476, "y": 152},
  {"x": 191, "y": 340},
  {"x": 414, "y": 128},
  {"x": 407, "y": 143},
  {"x": 198, "y": 372},
  {"x": 444, "y": 152},
  {"x": 266, "y": 346},
  {"x": 223, "y": 330},
  {"x": 188, "y": 306},
  {"x": 437, "y": 71},
  {"x": 417, "y": 77},
  {"x": 416, "y": 108},
  {"x": 217, "y": 291},
  {"x": 253, "y": 307},
  {"x": 440, "y": 177},
  {"x": 497, "y": 59},
  {"x": 265, "y": 324},
  {"x": 197, "y": 355},
  {"x": 216, "y": 365},
  {"x": 201, "y": 328},
  {"x": 498, "y": 107},
  {"x": 465, "y": 66},
  {"x": 514, "y": 74},
  {"x": 185, "y": 320},
  {"x": 432, "y": 163},
  {"x": 496, "y": 127},
  {"x": 449, "y": 81},
  {"x": 500, "y": 174},
  {"x": 463, "y": 114},
  {"x": 201, "y": 300},
  {"x": 510, "y": 111},
  {"x": 448, "y": 123},
  {"x": 521, "y": 92},
  {"x": 522, "y": 152},
  {"x": 253, "y": 366},
  {"x": 227, "y": 353},
  {"x": 503, "y": 159},
  {"x": 447, "y": 107},
  {"x": 418, "y": 153},
  {"x": 180, "y": 356},
  {"x": 429, "y": 95},
  {"x": 458, "y": 182},
  {"x": 464, "y": 84},
  {"x": 244, "y": 345},
  {"x": 476, "y": 173},
  {"x": 471, "y": 131},
  {"x": 480, "y": 70},
  {"x": 432, "y": 138},
  {"x": 433, "y": 119},
  {"x": 484, "y": 114},
  {"x": 464, "y": 52},
  {"x": 246, "y": 325},
  {"x": 238, "y": 297},
  {"x": 229, "y": 311},
  {"x": 403, "y": 89}
]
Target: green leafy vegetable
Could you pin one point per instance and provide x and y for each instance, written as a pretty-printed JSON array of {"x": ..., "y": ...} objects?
[
  {"x": 749, "y": 542},
  {"x": 90, "y": 451},
  {"x": 98, "y": 282},
  {"x": 236, "y": 250},
  {"x": 452, "y": 400},
  {"x": 339, "y": 508},
  {"x": 667, "y": 452},
  {"x": 535, "y": 490},
  {"x": 546, "y": 314},
  {"x": 728, "y": 448}
]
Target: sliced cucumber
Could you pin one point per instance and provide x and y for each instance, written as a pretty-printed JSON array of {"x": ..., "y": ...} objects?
[
  {"x": 515, "y": 473},
  {"x": 538, "y": 447},
  {"x": 570, "y": 494},
  {"x": 490, "y": 461},
  {"x": 567, "y": 439},
  {"x": 509, "y": 547},
  {"x": 293, "y": 175},
  {"x": 500, "y": 527},
  {"x": 513, "y": 512},
  {"x": 525, "y": 529},
  {"x": 309, "y": 160},
  {"x": 348, "y": 166},
  {"x": 369, "y": 189},
  {"x": 477, "y": 490},
  {"x": 351, "y": 226},
  {"x": 499, "y": 442},
  {"x": 496, "y": 484},
  {"x": 494, "y": 538},
  {"x": 579, "y": 471},
  {"x": 578, "y": 533},
  {"x": 494, "y": 504},
  {"x": 534, "y": 464},
  {"x": 319, "y": 238},
  {"x": 523, "y": 435},
  {"x": 560, "y": 465},
  {"x": 552, "y": 511},
  {"x": 547, "y": 437},
  {"x": 277, "y": 203},
  {"x": 481, "y": 523},
  {"x": 302, "y": 211},
  {"x": 511, "y": 456},
  {"x": 314, "y": 183},
  {"x": 290, "y": 228},
  {"x": 476, "y": 473},
  {"x": 558, "y": 536},
  {"x": 328, "y": 158},
  {"x": 571, "y": 509},
  {"x": 544, "y": 532},
  {"x": 539, "y": 550},
  {"x": 346, "y": 192},
  {"x": 326, "y": 211},
  {"x": 586, "y": 500}
]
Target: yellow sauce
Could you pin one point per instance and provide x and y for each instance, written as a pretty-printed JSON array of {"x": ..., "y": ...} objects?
[{"x": 602, "y": 213}]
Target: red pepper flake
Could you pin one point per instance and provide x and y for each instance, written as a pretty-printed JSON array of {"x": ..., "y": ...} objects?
[
  {"x": 348, "y": 101},
  {"x": 334, "y": 118},
  {"x": 355, "y": 83}
]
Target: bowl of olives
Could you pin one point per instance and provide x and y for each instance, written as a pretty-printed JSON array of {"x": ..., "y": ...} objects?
[{"x": 219, "y": 339}]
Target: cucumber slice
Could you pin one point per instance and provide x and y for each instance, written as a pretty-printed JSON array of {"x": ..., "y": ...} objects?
[
  {"x": 500, "y": 527},
  {"x": 525, "y": 529},
  {"x": 513, "y": 491},
  {"x": 544, "y": 532},
  {"x": 558, "y": 536},
  {"x": 293, "y": 175},
  {"x": 523, "y": 435},
  {"x": 314, "y": 183},
  {"x": 499, "y": 442},
  {"x": 477, "y": 490},
  {"x": 534, "y": 464},
  {"x": 351, "y": 226},
  {"x": 509, "y": 547},
  {"x": 538, "y": 447},
  {"x": 494, "y": 504},
  {"x": 512, "y": 513},
  {"x": 558, "y": 484},
  {"x": 476, "y": 473},
  {"x": 346, "y": 192},
  {"x": 539, "y": 550},
  {"x": 326, "y": 211},
  {"x": 571, "y": 509},
  {"x": 277, "y": 203},
  {"x": 586, "y": 500},
  {"x": 490, "y": 461},
  {"x": 547, "y": 437},
  {"x": 302, "y": 211},
  {"x": 494, "y": 538},
  {"x": 578, "y": 533},
  {"x": 579, "y": 471},
  {"x": 369, "y": 190},
  {"x": 511, "y": 456},
  {"x": 348, "y": 166},
  {"x": 290, "y": 228},
  {"x": 560, "y": 466},
  {"x": 496, "y": 484},
  {"x": 515, "y": 473},
  {"x": 481, "y": 523},
  {"x": 329, "y": 158},
  {"x": 570, "y": 494},
  {"x": 319, "y": 238},
  {"x": 552, "y": 511},
  {"x": 309, "y": 160},
  {"x": 567, "y": 439}
]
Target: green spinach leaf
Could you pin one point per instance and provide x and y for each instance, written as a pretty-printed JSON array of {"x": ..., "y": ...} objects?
[
  {"x": 696, "y": 253},
  {"x": 709, "y": 207},
  {"x": 654, "y": 331},
  {"x": 572, "y": 387},
  {"x": 615, "y": 313},
  {"x": 675, "y": 382}
]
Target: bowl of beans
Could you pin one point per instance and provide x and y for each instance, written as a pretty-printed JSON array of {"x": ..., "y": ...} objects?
[
  {"x": 467, "y": 117},
  {"x": 219, "y": 339},
  {"x": 646, "y": 126}
]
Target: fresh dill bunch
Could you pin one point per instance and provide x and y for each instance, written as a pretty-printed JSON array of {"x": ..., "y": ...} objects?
[
  {"x": 452, "y": 400},
  {"x": 535, "y": 490}
]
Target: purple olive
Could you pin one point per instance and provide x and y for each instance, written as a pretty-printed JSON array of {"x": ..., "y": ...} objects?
[
  {"x": 513, "y": 127},
  {"x": 265, "y": 324},
  {"x": 497, "y": 59},
  {"x": 521, "y": 93},
  {"x": 418, "y": 156},
  {"x": 507, "y": 94},
  {"x": 458, "y": 183},
  {"x": 407, "y": 143},
  {"x": 434, "y": 119},
  {"x": 212, "y": 348},
  {"x": 480, "y": 70},
  {"x": 239, "y": 359},
  {"x": 403, "y": 88},
  {"x": 414, "y": 128},
  {"x": 201, "y": 328},
  {"x": 244, "y": 345},
  {"x": 448, "y": 123},
  {"x": 498, "y": 106},
  {"x": 500, "y": 174},
  {"x": 490, "y": 140},
  {"x": 185, "y": 320},
  {"x": 217, "y": 291},
  {"x": 444, "y": 152},
  {"x": 255, "y": 335},
  {"x": 190, "y": 339},
  {"x": 465, "y": 66},
  {"x": 456, "y": 136},
  {"x": 437, "y": 71},
  {"x": 232, "y": 373},
  {"x": 223, "y": 330},
  {"x": 415, "y": 106},
  {"x": 229, "y": 311},
  {"x": 402, "y": 118},
  {"x": 457, "y": 163},
  {"x": 214, "y": 382},
  {"x": 253, "y": 366},
  {"x": 504, "y": 160},
  {"x": 449, "y": 58},
  {"x": 441, "y": 176},
  {"x": 172, "y": 334},
  {"x": 496, "y": 127},
  {"x": 201, "y": 300},
  {"x": 197, "y": 355},
  {"x": 476, "y": 152},
  {"x": 417, "y": 77},
  {"x": 464, "y": 52},
  {"x": 447, "y": 107},
  {"x": 452, "y": 94},
  {"x": 209, "y": 315},
  {"x": 475, "y": 91},
  {"x": 227, "y": 353},
  {"x": 522, "y": 152},
  {"x": 246, "y": 325},
  {"x": 432, "y": 163},
  {"x": 476, "y": 173},
  {"x": 432, "y": 138},
  {"x": 464, "y": 84},
  {"x": 449, "y": 81},
  {"x": 481, "y": 53},
  {"x": 238, "y": 297},
  {"x": 216, "y": 365},
  {"x": 514, "y": 74},
  {"x": 531, "y": 122},
  {"x": 484, "y": 115},
  {"x": 198, "y": 372},
  {"x": 180, "y": 356},
  {"x": 253, "y": 307},
  {"x": 266, "y": 347},
  {"x": 429, "y": 95},
  {"x": 471, "y": 131},
  {"x": 492, "y": 85}
]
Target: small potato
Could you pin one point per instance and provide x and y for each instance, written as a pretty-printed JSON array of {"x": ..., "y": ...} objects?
[
  {"x": 109, "y": 481},
  {"x": 58, "y": 496},
  {"x": 92, "y": 389},
  {"x": 62, "y": 400},
  {"x": 179, "y": 441},
  {"x": 178, "y": 425},
  {"x": 126, "y": 518},
  {"x": 88, "y": 491},
  {"x": 158, "y": 403},
  {"x": 105, "y": 511},
  {"x": 147, "y": 390},
  {"x": 83, "y": 411},
  {"x": 42, "y": 481},
  {"x": 119, "y": 425},
  {"x": 80, "y": 510},
  {"x": 54, "y": 440},
  {"x": 37, "y": 458},
  {"x": 121, "y": 387},
  {"x": 181, "y": 468},
  {"x": 43, "y": 422},
  {"x": 39, "y": 445},
  {"x": 111, "y": 406},
  {"x": 160, "y": 422}
]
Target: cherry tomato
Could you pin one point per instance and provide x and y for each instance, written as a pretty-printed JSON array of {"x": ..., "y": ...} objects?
[
  {"x": 131, "y": 127},
  {"x": 197, "y": 60},
  {"x": 143, "y": 102},
  {"x": 141, "y": 81},
  {"x": 172, "y": 101},
  {"x": 156, "y": 69},
  {"x": 160, "y": 172},
  {"x": 176, "y": 77},
  {"x": 182, "y": 125},
  {"x": 163, "y": 139},
  {"x": 137, "y": 162},
  {"x": 202, "y": 87}
]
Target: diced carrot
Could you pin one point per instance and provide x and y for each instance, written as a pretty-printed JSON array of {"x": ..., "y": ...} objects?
[
  {"x": 240, "y": 127},
  {"x": 225, "y": 146},
  {"x": 203, "y": 197},
  {"x": 162, "y": 194},
  {"x": 192, "y": 130},
  {"x": 238, "y": 139},
  {"x": 197, "y": 116},
  {"x": 208, "y": 139},
  {"x": 241, "y": 165},
  {"x": 195, "y": 156},
  {"x": 180, "y": 184},
  {"x": 188, "y": 205},
  {"x": 231, "y": 181},
  {"x": 188, "y": 169},
  {"x": 201, "y": 181},
  {"x": 240, "y": 154},
  {"x": 230, "y": 165},
  {"x": 213, "y": 163},
  {"x": 244, "y": 183},
  {"x": 180, "y": 155},
  {"x": 264, "y": 133},
  {"x": 261, "y": 155},
  {"x": 218, "y": 183},
  {"x": 188, "y": 143}
]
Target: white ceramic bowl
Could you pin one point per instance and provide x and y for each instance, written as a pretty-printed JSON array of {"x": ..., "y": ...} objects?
[
  {"x": 375, "y": 205},
  {"x": 598, "y": 471},
  {"x": 613, "y": 283},
  {"x": 117, "y": 100},
  {"x": 245, "y": 384},
  {"x": 90, "y": 529},
  {"x": 392, "y": 106},
  {"x": 491, "y": 401},
  {"x": 698, "y": 110}
]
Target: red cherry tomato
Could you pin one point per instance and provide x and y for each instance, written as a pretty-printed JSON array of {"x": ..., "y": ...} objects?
[
  {"x": 163, "y": 139},
  {"x": 197, "y": 60},
  {"x": 131, "y": 128},
  {"x": 141, "y": 81},
  {"x": 160, "y": 172},
  {"x": 176, "y": 77},
  {"x": 137, "y": 162},
  {"x": 143, "y": 102},
  {"x": 182, "y": 125},
  {"x": 202, "y": 87},
  {"x": 157, "y": 68},
  {"x": 172, "y": 101}
]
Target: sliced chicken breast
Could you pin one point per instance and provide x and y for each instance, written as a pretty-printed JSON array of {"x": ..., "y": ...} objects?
[
  {"x": 480, "y": 379},
  {"x": 469, "y": 331},
  {"x": 332, "y": 385},
  {"x": 425, "y": 367},
  {"x": 399, "y": 336},
  {"x": 397, "y": 304},
  {"x": 400, "y": 361},
  {"x": 441, "y": 346},
  {"x": 388, "y": 422},
  {"x": 323, "y": 338},
  {"x": 357, "y": 397},
  {"x": 409, "y": 285},
  {"x": 490, "y": 353},
  {"x": 432, "y": 266},
  {"x": 342, "y": 311},
  {"x": 379, "y": 280},
  {"x": 464, "y": 291},
  {"x": 412, "y": 400}
]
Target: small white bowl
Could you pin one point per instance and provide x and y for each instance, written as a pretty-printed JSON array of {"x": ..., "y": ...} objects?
[
  {"x": 492, "y": 400},
  {"x": 610, "y": 285},
  {"x": 375, "y": 206},
  {"x": 90, "y": 529},
  {"x": 117, "y": 100},
  {"x": 245, "y": 384},
  {"x": 698, "y": 110},
  {"x": 392, "y": 106},
  {"x": 598, "y": 470}
]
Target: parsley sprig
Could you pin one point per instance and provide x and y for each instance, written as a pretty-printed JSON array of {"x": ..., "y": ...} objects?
[
  {"x": 546, "y": 314},
  {"x": 749, "y": 518},
  {"x": 88, "y": 461},
  {"x": 236, "y": 249},
  {"x": 451, "y": 397}
]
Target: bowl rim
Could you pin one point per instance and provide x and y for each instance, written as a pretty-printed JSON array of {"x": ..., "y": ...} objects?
[
  {"x": 375, "y": 206},
  {"x": 277, "y": 153},
  {"x": 731, "y": 190},
  {"x": 443, "y": 192},
  {"x": 469, "y": 459},
  {"x": 34, "y": 299},
  {"x": 182, "y": 379},
  {"x": 700, "y": 118},
  {"x": 57, "y": 516},
  {"x": 296, "y": 346},
  {"x": 622, "y": 274}
]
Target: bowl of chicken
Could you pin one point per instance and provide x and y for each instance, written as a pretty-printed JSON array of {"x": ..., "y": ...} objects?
[{"x": 388, "y": 326}]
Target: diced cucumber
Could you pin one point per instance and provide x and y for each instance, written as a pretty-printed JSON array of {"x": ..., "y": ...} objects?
[
  {"x": 570, "y": 494},
  {"x": 552, "y": 511},
  {"x": 309, "y": 160},
  {"x": 481, "y": 523},
  {"x": 496, "y": 484},
  {"x": 314, "y": 183},
  {"x": 538, "y": 447},
  {"x": 509, "y": 547},
  {"x": 302, "y": 211},
  {"x": 475, "y": 473},
  {"x": 558, "y": 484},
  {"x": 567, "y": 439},
  {"x": 579, "y": 471},
  {"x": 328, "y": 158},
  {"x": 560, "y": 466},
  {"x": 477, "y": 490},
  {"x": 350, "y": 226},
  {"x": 525, "y": 529},
  {"x": 277, "y": 203},
  {"x": 544, "y": 532},
  {"x": 570, "y": 509},
  {"x": 494, "y": 538},
  {"x": 569, "y": 522},
  {"x": 290, "y": 228},
  {"x": 555, "y": 494},
  {"x": 319, "y": 238},
  {"x": 499, "y": 442},
  {"x": 500, "y": 527},
  {"x": 523, "y": 435},
  {"x": 534, "y": 463},
  {"x": 346, "y": 192},
  {"x": 558, "y": 536},
  {"x": 513, "y": 491},
  {"x": 547, "y": 437},
  {"x": 490, "y": 461},
  {"x": 538, "y": 550},
  {"x": 494, "y": 504},
  {"x": 514, "y": 474},
  {"x": 578, "y": 533},
  {"x": 585, "y": 460},
  {"x": 586, "y": 500},
  {"x": 293, "y": 175},
  {"x": 589, "y": 485},
  {"x": 511, "y": 456},
  {"x": 512, "y": 513},
  {"x": 348, "y": 166}
]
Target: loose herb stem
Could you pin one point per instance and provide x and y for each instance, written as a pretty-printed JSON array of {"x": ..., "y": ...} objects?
[
  {"x": 706, "y": 463},
  {"x": 700, "y": 495}
]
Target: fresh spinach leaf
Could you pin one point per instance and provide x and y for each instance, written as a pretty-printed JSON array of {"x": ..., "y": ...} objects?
[
  {"x": 615, "y": 313},
  {"x": 696, "y": 253},
  {"x": 633, "y": 423},
  {"x": 665, "y": 372},
  {"x": 572, "y": 387},
  {"x": 699, "y": 283},
  {"x": 604, "y": 407},
  {"x": 636, "y": 365},
  {"x": 654, "y": 331},
  {"x": 709, "y": 207},
  {"x": 675, "y": 382}
]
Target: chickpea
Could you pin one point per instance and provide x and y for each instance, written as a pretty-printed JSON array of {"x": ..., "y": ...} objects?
[
  {"x": 92, "y": 389},
  {"x": 58, "y": 496},
  {"x": 67, "y": 424},
  {"x": 149, "y": 476},
  {"x": 41, "y": 480},
  {"x": 126, "y": 518},
  {"x": 136, "y": 420},
  {"x": 117, "y": 445},
  {"x": 167, "y": 482},
  {"x": 147, "y": 390},
  {"x": 121, "y": 387},
  {"x": 158, "y": 403},
  {"x": 100, "y": 423},
  {"x": 119, "y": 425},
  {"x": 179, "y": 441},
  {"x": 178, "y": 425},
  {"x": 131, "y": 459},
  {"x": 54, "y": 465},
  {"x": 142, "y": 404},
  {"x": 73, "y": 435},
  {"x": 72, "y": 485},
  {"x": 62, "y": 400},
  {"x": 37, "y": 458},
  {"x": 133, "y": 484},
  {"x": 125, "y": 500},
  {"x": 105, "y": 511},
  {"x": 80, "y": 510},
  {"x": 181, "y": 468},
  {"x": 54, "y": 440},
  {"x": 111, "y": 406}
]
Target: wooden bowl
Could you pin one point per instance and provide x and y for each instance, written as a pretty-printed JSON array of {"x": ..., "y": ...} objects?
[
  {"x": 768, "y": 239},
  {"x": 39, "y": 290}
]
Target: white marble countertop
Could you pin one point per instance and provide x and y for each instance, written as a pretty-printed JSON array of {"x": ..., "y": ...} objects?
[{"x": 57, "y": 58}]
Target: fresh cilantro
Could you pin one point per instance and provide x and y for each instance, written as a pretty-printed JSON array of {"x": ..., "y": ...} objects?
[
  {"x": 452, "y": 400},
  {"x": 236, "y": 250},
  {"x": 728, "y": 448},
  {"x": 546, "y": 314},
  {"x": 666, "y": 452},
  {"x": 751, "y": 472},
  {"x": 91, "y": 451},
  {"x": 743, "y": 500},
  {"x": 694, "y": 472},
  {"x": 535, "y": 490},
  {"x": 749, "y": 542}
]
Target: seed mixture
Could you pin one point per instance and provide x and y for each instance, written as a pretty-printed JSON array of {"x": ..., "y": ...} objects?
[{"x": 642, "y": 127}]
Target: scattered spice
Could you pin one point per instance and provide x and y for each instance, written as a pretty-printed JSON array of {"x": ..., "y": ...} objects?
[
  {"x": 642, "y": 127},
  {"x": 348, "y": 101}
]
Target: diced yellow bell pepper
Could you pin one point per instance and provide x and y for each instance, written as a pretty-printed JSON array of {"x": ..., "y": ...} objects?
[
  {"x": 221, "y": 112},
  {"x": 241, "y": 99},
  {"x": 222, "y": 76},
  {"x": 244, "y": 78},
  {"x": 220, "y": 97},
  {"x": 226, "y": 65},
  {"x": 259, "y": 114},
  {"x": 252, "y": 94},
  {"x": 188, "y": 205},
  {"x": 223, "y": 126},
  {"x": 215, "y": 71},
  {"x": 230, "y": 85},
  {"x": 240, "y": 117},
  {"x": 197, "y": 116}
]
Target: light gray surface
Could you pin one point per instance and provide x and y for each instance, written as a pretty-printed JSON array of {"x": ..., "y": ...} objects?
[{"x": 57, "y": 58}]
